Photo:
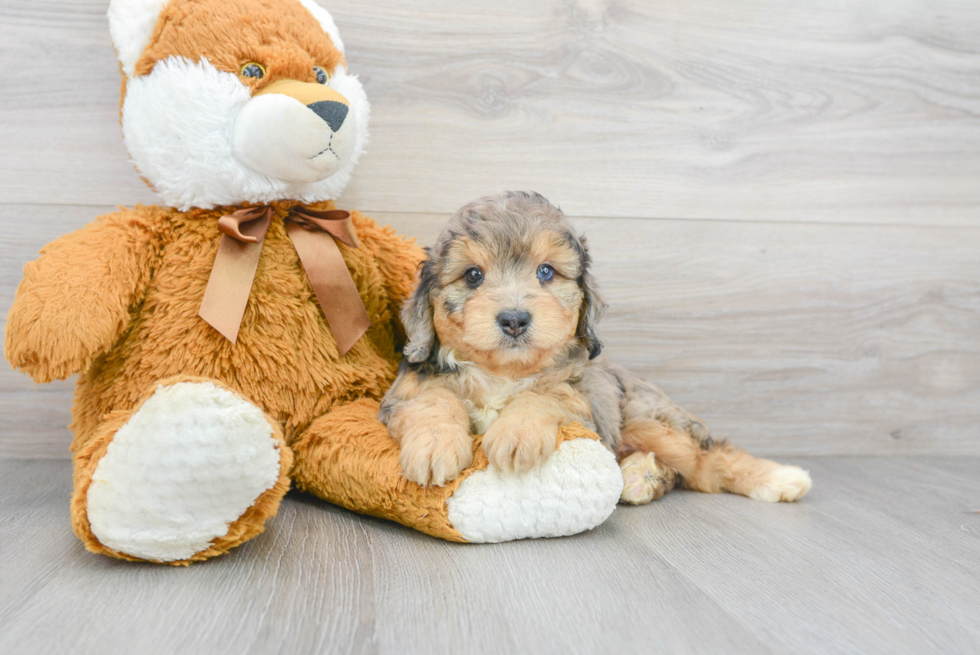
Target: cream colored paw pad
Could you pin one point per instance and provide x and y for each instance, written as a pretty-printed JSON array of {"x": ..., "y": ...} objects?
[
  {"x": 787, "y": 483},
  {"x": 638, "y": 479},
  {"x": 182, "y": 469},
  {"x": 574, "y": 490}
]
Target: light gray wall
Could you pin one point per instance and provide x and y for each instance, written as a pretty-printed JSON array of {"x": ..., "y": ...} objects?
[{"x": 783, "y": 197}]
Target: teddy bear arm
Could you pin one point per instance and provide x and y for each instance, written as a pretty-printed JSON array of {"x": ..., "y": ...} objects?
[
  {"x": 397, "y": 258},
  {"x": 75, "y": 299},
  {"x": 347, "y": 458}
]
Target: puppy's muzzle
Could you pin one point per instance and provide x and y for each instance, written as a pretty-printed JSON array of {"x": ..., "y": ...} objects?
[
  {"x": 295, "y": 131},
  {"x": 514, "y": 323}
]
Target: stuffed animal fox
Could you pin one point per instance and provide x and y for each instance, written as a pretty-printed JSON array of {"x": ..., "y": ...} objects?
[{"x": 239, "y": 335}]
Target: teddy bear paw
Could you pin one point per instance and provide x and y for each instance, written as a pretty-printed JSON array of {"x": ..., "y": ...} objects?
[{"x": 574, "y": 490}]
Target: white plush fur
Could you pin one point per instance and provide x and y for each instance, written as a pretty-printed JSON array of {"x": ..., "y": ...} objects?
[
  {"x": 184, "y": 467},
  {"x": 575, "y": 489},
  {"x": 788, "y": 483},
  {"x": 178, "y": 123},
  {"x": 281, "y": 137},
  {"x": 131, "y": 24}
]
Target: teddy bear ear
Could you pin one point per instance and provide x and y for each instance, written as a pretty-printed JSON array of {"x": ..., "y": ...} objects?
[
  {"x": 131, "y": 24},
  {"x": 326, "y": 22}
]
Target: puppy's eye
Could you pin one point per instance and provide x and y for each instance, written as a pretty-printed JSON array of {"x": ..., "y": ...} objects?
[
  {"x": 251, "y": 69},
  {"x": 322, "y": 76},
  {"x": 545, "y": 273},
  {"x": 473, "y": 276}
]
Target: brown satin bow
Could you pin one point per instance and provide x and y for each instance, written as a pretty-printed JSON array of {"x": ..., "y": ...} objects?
[{"x": 312, "y": 233}]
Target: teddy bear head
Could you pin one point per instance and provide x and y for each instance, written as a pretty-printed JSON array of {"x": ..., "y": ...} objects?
[{"x": 227, "y": 102}]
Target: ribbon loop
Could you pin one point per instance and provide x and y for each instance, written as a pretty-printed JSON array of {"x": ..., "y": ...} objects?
[
  {"x": 231, "y": 224},
  {"x": 312, "y": 233},
  {"x": 335, "y": 221}
]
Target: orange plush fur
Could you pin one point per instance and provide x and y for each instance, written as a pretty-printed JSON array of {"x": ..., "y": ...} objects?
[
  {"x": 284, "y": 37},
  {"x": 67, "y": 319}
]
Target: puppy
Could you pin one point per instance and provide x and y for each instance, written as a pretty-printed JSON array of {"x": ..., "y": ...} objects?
[{"x": 502, "y": 342}]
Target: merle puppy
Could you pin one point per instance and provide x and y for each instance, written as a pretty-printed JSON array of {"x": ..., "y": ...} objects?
[{"x": 502, "y": 342}]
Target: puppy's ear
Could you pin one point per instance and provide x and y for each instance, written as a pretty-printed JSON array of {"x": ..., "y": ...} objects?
[
  {"x": 593, "y": 307},
  {"x": 417, "y": 315}
]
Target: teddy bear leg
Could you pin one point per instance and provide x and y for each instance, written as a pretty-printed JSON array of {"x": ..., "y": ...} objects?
[
  {"x": 348, "y": 458},
  {"x": 191, "y": 471}
]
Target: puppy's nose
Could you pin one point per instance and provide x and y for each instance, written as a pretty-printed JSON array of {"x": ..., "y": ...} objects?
[
  {"x": 514, "y": 322},
  {"x": 333, "y": 113}
]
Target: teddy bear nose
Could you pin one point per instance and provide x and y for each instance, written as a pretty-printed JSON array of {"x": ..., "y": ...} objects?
[
  {"x": 333, "y": 113},
  {"x": 514, "y": 322}
]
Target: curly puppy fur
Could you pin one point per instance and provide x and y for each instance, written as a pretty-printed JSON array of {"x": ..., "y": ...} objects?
[{"x": 502, "y": 341}]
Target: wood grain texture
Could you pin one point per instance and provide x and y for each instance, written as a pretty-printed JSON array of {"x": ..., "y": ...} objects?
[
  {"x": 790, "y": 339},
  {"x": 757, "y": 110},
  {"x": 882, "y": 557}
]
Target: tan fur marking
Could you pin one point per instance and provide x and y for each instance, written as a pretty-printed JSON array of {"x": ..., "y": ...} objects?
[
  {"x": 434, "y": 431},
  {"x": 550, "y": 248},
  {"x": 524, "y": 434}
]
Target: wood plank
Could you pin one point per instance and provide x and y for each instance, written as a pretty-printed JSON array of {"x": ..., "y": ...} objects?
[
  {"x": 947, "y": 487},
  {"x": 488, "y": 600},
  {"x": 759, "y": 110},
  {"x": 835, "y": 573},
  {"x": 690, "y": 573},
  {"x": 790, "y": 339}
]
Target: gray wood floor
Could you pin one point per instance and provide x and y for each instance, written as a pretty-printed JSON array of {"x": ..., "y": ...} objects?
[{"x": 882, "y": 557}]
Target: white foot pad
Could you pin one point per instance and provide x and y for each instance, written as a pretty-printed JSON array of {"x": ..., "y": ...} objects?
[
  {"x": 576, "y": 489},
  {"x": 180, "y": 471},
  {"x": 787, "y": 483}
]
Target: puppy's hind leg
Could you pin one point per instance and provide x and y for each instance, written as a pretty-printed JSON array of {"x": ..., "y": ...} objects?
[
  {"x": 644, "y": 478},
  {"x": 709, "y": 466}
]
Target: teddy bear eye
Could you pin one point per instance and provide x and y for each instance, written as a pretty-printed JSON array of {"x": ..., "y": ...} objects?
[
  {"x": 473, "y": 276},
  {"x": 322, "y": 77},
  {"x": 253, "y": 70},
  {"x": 546, "y": 273}
]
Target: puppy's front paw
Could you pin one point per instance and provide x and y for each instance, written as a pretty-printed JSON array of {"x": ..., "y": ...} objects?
[
  {"x": 435, "y": 455},
  {"x": 519, "y": 443},
  {"x": 786, "y": 484}
]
